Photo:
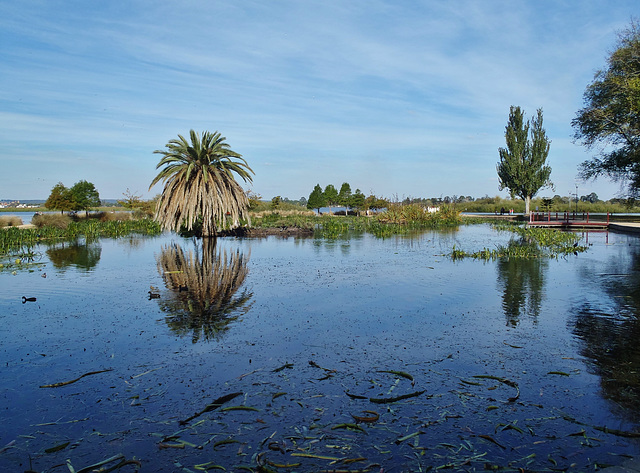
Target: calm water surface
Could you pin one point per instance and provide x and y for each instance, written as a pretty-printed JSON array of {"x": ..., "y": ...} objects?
[{"x": 510, "y": 364}]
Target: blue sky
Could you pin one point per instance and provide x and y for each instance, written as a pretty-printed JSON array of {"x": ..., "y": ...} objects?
[{"x": 398, "y": 98}]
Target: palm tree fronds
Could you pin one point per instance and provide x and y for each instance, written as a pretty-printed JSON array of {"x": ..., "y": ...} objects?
[{"x": 199, "y": 184}]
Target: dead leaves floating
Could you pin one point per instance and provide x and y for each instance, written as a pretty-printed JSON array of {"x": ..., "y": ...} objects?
[
  {"x": 402, "y": 374},
  {"x": 285, "y": 366},
  {"x": 65, "y": 383},
  {"x": 388, "y": 400},
  {"x": 213, "y": 406},
  {"x": 367, "y": 419},
  {"x": 505, "y": 381}
]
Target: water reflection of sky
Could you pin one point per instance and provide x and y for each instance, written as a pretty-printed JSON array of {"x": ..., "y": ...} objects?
[{"x": 357, "y": 306}]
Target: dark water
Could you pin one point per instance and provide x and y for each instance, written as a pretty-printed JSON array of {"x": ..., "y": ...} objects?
[{"x": 510, "y": 364}]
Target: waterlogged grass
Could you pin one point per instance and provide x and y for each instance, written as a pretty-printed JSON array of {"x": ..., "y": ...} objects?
[
  {"x": 531, "y": 242},
  {"x": 15, "y": 241}
]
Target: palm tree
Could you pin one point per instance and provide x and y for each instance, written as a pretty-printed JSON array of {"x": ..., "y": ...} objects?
[{"x": 199, "y": 184}]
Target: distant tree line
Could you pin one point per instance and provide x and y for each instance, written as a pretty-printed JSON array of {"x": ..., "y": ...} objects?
[
  {"x": 81, "y": 196},
  {"x": 331, "y": 197}
]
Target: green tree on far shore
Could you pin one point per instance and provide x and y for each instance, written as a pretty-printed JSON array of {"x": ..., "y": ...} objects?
[
  {"x": 316, "y": 199},
  {"x": 60, "y": 199},
  {"x": 522, "y": 168},
  {"x": 610, "y": 119},
  {"x": 85, "y": 196},
  {"x": 331, "y": 196},
  {"x": 357, "y": 201},
  {"x": 344, "y": 196}
]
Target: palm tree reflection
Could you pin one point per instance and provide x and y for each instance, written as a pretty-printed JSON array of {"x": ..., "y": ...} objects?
[{"x": 204, "y": 289}]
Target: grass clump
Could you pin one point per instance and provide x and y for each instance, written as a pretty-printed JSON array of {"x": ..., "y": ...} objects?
[
  {"x": 10, "y": 221},
  {"x": 60, "y": 221},
  {"x": 114, "y": 216}
]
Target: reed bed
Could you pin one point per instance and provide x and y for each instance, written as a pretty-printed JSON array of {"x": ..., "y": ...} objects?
[
  {"x": 283, "y": 213},
  {"x": 399, "y": 220},
  {"x": 285, "y": 219},
  {"x": 13, "y": 239},
  {"x": 417, "y": 216}
]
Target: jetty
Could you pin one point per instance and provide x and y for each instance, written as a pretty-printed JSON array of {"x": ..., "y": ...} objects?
[{"x": 584, "y": 220}]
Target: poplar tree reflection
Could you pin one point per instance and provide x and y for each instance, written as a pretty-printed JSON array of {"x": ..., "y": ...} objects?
[
  {"x": 610, "y": 331},
  {"x": 81, "y": 255},
  {"x": 204, "y": 289},
  {"x": 523, "y": 281}
]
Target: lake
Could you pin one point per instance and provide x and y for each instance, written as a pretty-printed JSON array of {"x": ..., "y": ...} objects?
[{"x": 311, "y": 354}]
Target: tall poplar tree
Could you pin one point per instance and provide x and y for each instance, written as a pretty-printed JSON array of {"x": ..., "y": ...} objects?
[{"x": 522, "y": 168}]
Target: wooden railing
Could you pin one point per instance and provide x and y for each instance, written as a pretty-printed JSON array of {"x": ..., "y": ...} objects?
[{"x": 568, "y": 217}]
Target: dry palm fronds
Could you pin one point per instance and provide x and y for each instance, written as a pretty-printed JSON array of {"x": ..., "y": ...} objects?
[{"x": 199, "y": 184}]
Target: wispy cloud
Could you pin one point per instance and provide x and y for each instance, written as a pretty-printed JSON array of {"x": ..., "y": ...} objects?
[{"x": 394, "y": 97}]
